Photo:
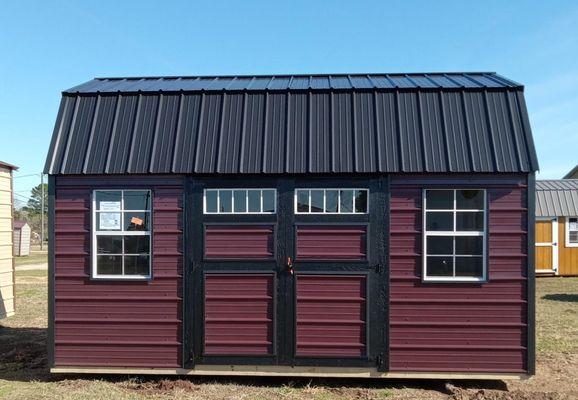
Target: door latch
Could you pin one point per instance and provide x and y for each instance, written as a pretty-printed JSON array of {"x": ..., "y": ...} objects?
[{"x": 289, "y": 265}]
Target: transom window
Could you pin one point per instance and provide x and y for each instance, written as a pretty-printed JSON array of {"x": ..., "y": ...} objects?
[
  {"x": 331, "y": 201},
  {"x": 121, "y": 230},
  {"x": 454, "y": 235},
  {"x": 572, "y": 232},
  {"x": 240, "y": 201}
]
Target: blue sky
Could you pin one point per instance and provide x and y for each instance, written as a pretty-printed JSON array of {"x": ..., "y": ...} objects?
[{"x": 46, "y": 47}]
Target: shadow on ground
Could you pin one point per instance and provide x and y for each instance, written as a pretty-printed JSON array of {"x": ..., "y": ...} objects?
[
  {"x": 23, "y": 358},
  {"x": 564, "y": 297}
]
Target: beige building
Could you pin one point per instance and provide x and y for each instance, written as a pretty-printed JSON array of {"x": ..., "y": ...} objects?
[{"x": 6, "y": 245}]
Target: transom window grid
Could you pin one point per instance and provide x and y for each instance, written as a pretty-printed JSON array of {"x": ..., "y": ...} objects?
[
  {"x": 455, "y": 235},
  {"x": 121, "y": 233},
  {"x": 242, "y": 201},
  {"x": 359, "y": 201}
]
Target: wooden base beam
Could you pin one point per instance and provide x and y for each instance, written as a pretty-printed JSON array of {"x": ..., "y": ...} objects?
[{"x": 280, "y": 371}]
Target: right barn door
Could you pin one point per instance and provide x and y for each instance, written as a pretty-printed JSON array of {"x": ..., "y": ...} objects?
[{"x": 336, "y": 274}]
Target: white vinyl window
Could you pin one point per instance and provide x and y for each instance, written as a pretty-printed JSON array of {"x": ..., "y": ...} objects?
[
  {"x": 572, "y": 232},
  {"x": 121, "y": 234},
  {"x": 331, "y": 201},
  {"x": 240, "y": 201},
  {"x": 454, "y": 239}
]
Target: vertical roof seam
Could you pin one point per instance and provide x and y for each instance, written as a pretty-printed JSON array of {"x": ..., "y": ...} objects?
[
  {"x": 91, "y": 134},
  {"x": 152, "y": 150},
  {"x": 128, "y": 165},
  {"x": 113, "y": 133}
]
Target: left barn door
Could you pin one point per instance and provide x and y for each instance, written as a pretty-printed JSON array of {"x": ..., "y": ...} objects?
[{"x": 233, "y": 274}]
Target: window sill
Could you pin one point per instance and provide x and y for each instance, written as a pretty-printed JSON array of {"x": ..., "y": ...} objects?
[
  {"x": 455, "y": 280},
  {"x": 112, "y": 278}
]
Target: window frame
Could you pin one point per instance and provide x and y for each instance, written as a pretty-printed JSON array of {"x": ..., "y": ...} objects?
[
  {"x": 484, "y": 234},
  {"x": 324, "y": 189},
  {"x": 567, "y": 232},
  {"x": 233, "y": 212},
  {"x": 95, "y": 233}
]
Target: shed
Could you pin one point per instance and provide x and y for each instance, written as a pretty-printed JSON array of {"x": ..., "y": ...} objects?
[
  {"x": 375, "y": 225},
  {"x": 557, "y": 227},
  {"x": 6, "y": 256},
  {"x": 572, "y": 174},
  {"x": 21, "y": 238}
]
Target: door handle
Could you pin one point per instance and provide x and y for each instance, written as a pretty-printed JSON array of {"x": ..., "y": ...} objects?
[{"x": 289, "y": 265}]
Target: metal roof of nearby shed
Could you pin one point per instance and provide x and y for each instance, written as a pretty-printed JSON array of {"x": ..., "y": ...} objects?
[
  {"x": 573, "y": 173},
  {"x": 471, "y": 80},
  {"x": 455, "y": 122},
  {"x": 557, "y": 198},
  {"x": 9, "y": 166}
]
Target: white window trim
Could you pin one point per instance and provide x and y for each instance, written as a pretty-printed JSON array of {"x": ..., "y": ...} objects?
[
  {"x": 233, "y": 202},
  {"x": 95, "y": 233},
  {"x": 567, "y": 233},
  {"x": 324, "y": 202},
  {"x": 426, "y": 233}
]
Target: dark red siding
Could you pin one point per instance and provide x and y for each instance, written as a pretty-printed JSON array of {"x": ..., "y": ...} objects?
[
  {"x": 122, "y": 323},
  {"x": 239, "y": 241},
  {"x": 331, "y": 315},
  {"x": 332, "y": 242},
  {"x": 454, "y": 326},
  {"x": 239, "y": 314}
]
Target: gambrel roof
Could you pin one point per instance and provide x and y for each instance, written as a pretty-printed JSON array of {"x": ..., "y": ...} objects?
[{"x": 294, "y": 124}]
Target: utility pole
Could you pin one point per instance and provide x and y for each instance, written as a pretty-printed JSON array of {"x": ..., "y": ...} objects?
[{"x": 42, "y": 211}]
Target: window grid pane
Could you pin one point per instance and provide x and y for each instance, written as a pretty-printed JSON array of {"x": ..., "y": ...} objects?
[
  {"x": 136, "y": 211},
  {"x": 467, "y": 233},
  {"x": 239, "y": 201},
  {"x": 331, "y": 201}
]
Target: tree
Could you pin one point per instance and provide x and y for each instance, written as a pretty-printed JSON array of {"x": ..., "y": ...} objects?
[{"x": 34, "y": 204}]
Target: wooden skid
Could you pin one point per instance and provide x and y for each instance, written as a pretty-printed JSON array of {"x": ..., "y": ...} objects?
[{"x": 312, "y": 372}]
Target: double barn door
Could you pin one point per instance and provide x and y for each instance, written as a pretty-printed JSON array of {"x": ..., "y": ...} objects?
[{"x": 300, "y": 281}]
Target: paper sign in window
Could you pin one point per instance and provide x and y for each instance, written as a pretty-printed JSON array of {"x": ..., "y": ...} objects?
[
  {"x": 136, "y": 221},
  {"x": 109, "y": 206},
  {"x": 109, "y": 221}
]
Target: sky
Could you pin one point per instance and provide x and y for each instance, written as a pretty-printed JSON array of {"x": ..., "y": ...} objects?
[{"x": 50, "y": 46}]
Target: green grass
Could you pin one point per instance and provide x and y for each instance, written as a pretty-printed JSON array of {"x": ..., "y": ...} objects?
[
  {"x": 557, "y": 315},
  {"x": 35, "y": 257},
  {"x": 32, "y": 273}
]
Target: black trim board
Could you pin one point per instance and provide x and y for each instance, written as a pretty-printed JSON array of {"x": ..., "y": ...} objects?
[
  {"x": 51, "y": 265},
  {"x": 531, "y": 276}
]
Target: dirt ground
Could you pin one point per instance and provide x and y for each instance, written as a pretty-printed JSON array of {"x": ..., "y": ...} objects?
[{"x": 24, "y": 375}]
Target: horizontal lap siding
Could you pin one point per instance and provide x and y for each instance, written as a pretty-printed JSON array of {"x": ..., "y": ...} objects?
[
  {"x": 459, "y": 327},
  {"x": 331, "y": 242},
  {"x": 117, "y": 323},
  {"x": 239, "y": 241},
  {"x": 331, "y": 316},
  {"x": 239, "y": 313}
]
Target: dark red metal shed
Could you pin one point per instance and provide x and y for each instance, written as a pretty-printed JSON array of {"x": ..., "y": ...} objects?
[{"x": 327, "y": 225}]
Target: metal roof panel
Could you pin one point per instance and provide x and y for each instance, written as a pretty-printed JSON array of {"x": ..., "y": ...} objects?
[{"x": 293, "y": 124}]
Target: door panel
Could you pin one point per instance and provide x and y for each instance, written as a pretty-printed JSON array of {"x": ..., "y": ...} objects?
[
  {"x": 543, "y": 231},
  {"x": 239, "y": 242},
  {"x": 331, "y": 315},
  {"x": 544, "y": 257},
  {"x": 239, "y": 312},
  {"x": 331, "y": 242}
]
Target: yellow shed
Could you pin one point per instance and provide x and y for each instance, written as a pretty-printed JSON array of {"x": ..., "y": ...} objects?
[
  {"x": 6, "y": 247},
  {"x": 557, "y": 227}
]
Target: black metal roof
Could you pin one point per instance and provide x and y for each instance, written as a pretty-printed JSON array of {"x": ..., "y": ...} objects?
[
  {"x": 557, "y": 198},
  {"x": 453, "y": 80},
  {"x": 454, "y": 122}
]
